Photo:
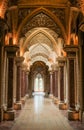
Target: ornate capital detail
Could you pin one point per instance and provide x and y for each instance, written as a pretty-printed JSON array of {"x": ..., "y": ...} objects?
[
  {"x": 55, "y": 67},
  {"x": 19, "y": 60},
  {"x": 71, "y": 50},
  {"x": 61, "y": 61},
  {"x": 11, "y": 49}
]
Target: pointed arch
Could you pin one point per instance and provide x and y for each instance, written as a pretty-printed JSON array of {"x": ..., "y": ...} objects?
[
  {"x": 44, "y": 32},
  {"x": 47, "y": 12}
]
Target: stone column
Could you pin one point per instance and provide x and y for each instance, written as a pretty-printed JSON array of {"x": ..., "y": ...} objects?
[
  {"x": 51, "y": 84},
  {"x": 11, "y": 53},
  {"x": 61, "y": 63},
  {"x": 0, "y": 83},
  {"x": 55, "y": 83},
  {"x": 17, "y": 104},
  {"x": 56, "y": 101},
  {"x": 3, "y": 30},
  {"x": 27, "y": 83},
  {"x": 23, "y": 85},
  {"x": 71, "y": 62}
]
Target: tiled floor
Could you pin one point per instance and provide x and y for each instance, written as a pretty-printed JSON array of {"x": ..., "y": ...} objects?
[{"x": 39, "y": 113}]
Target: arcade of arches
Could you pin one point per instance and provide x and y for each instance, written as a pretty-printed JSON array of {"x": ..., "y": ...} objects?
[{"x": 42, "y": 49}]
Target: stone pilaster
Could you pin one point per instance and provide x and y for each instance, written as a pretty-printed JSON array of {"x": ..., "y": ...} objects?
[
  {"x": 17, "y": 104},
  {"x": 71, "y": 63},
  {"x": 11, "y": 53}
]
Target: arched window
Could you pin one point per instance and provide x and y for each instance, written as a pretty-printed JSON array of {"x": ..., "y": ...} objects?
[{"x": 38, "y": 83}]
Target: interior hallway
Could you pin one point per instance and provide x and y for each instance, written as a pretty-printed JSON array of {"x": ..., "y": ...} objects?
[{"x": 40, "y": 113}]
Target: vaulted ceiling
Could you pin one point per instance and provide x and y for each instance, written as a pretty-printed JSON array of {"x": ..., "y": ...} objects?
[{"x": 42, "y": 27}]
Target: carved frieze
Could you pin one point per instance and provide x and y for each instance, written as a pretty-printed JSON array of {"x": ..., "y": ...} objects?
[{"x": 41, "y": 20}]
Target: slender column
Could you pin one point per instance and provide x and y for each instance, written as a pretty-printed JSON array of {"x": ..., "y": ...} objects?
[
  {"x": 51, "y": 84},
  {"x": 61, "y": 63},
  {"x": 56, "y": 101},
  {"x": 0, "y": 83},
  {"x": 3, "y": 29},
  {"x": 71, "y": 62},
  {"x": 23, "y": 85},
  {"x": 11, "y": 53},
  {"x": 56, "y": 83},
  {"x": 27, "y": 82},
  {"x": 17, "y": 104}
]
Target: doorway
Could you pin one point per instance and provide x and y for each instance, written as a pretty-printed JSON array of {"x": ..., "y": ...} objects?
[{"x": 38, "y": 83}]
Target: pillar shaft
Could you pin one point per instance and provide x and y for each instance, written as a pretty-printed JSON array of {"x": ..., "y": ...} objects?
[
  {"x": 61, "y": 63},
  {"x": 10, "y": 82},
  {"x": 27, "y": 82},
  {"x": 61, "y": 83},
  {"x": 0, "y": 83},
  {"x": 71, "y": 63},
  {"x": 51, "y": 83},
  {"x": 18, "y": 87},
  {"x": 19, "y": 61},
  {"x": 11, "y": 53},
  {"x": 56, "y": 83},
  {"x": 23, "y": 83}
]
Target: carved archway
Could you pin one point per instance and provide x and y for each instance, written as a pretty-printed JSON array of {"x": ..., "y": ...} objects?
[
  {"x": 48, "y": 13},
  {"x": 27, "y": 39}
]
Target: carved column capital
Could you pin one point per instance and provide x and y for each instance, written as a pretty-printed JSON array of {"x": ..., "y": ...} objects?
[
  {"x": 11, "y": 50},
  {"x": 71, "y": 50},
  {"x": 19, "y": 60},
  {"x": 55, "y": 67},
  {"x": 61, "y": 61}
]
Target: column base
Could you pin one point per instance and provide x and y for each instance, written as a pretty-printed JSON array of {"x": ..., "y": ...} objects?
[
  {"x": 73, "y": 115},
  {"x": 9, "y": 115},
  {"x": 56, "y": 101},
  {"x": 63, "y": 106},
  {"x": 23, "y": 100},
  {"x": 51, "y": 96},
  {"x": 17, "y": 106}
]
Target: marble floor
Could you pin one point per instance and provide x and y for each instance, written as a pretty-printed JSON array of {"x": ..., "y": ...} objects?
[{"x": 40, "y": 113}]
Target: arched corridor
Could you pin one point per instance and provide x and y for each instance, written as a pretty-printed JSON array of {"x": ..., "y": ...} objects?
[{"x": 42, "y": 51}]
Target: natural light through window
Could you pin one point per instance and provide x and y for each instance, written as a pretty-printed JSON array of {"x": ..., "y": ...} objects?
[{"x": 38, "y": 83}]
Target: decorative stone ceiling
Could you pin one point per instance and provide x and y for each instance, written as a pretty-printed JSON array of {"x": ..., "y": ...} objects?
[
  {"x": 41, "y": 2},
  {"x": 41, "y": 20},
  {"x": 42, "y": 46}
]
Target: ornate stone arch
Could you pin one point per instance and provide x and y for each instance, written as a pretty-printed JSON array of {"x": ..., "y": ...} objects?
[
  {"x": 43, "y": 32},
  {"x": 48, "y": 13}
]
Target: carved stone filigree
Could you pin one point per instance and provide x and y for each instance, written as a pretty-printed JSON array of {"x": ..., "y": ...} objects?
[
  {"x": 23, "y": 12},
  {"x": 41, "y": 20},
  {"x": 60, "y": 13}
]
